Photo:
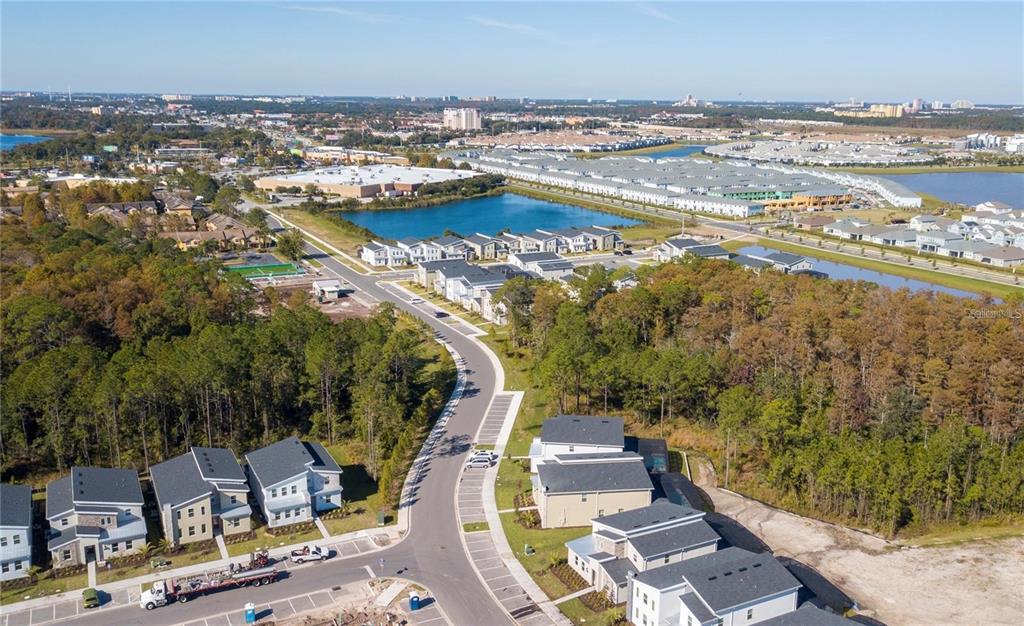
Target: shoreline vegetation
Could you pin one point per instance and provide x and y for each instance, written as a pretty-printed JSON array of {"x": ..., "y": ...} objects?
[{"x": 931, "y": 169}]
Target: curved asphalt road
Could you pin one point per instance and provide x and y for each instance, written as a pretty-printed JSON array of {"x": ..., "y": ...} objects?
[{"x": 431, "y": 554}]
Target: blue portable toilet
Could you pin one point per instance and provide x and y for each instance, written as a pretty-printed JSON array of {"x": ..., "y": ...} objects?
[
  {"x": 414, "y": 602},
  {"x": 250, "y": 612}
]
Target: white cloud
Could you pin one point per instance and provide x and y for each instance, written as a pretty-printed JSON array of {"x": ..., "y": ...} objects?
[
  {"x": 524, "y": 29},
  {"x": 655, "y": 12},
  {"x": 352, "y": 14}
]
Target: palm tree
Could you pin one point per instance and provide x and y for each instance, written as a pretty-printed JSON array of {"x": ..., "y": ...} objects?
[
  {"x": 147, "y": 549},
  {"x": 163, "y": 544},
  {"x": 346, "y": 507}
]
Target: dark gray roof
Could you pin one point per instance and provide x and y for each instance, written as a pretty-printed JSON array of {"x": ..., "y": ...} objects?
[
  {"x": 593, "y": 477},
  {"x": 322, "y": 459},
  {"x": 785, "y": 258},
  {"x": 287, "y": 458},
  {"x": 58, "y": 497},
  {"x": 218, "y": 463},
  {"x": 681, "y": 537},
  {"x": 533, "y": 257},
  {"x": 94, "y": 484},
  {"x": 697, "y": 607},
  {"x": 749, "y": 261},
  {"x": 178, "y": 481},
  {"x": 65, "y": 537},
  {"x": 708, "y": 251},
  {"x": 808, "y": 615},
  {"x": 659, "y": 512},
  {"x": 594, "y": 456},
  {"x": 726, "y": 578},
  {"x": 618, "y": 570},
  {"x": 583, "y": 430},
  {"x": 682, "y": 242},
  {"x": 447, "y": 240},
  {"x": 15, "y": 505},
  {"x": 677, "y": 488}
]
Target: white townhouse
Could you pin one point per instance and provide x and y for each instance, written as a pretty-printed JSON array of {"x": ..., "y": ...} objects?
[
  {"x": 901, "y": 238},
  {"x": 573, "y": 489},
  {"x": 730, "y": 587},
  {"x": 15, "y": 531},
  {"x": 932, "y": 241},
  {"x": 624, "y": 544},
  {"x": 95, "y": 513},
  {"x": 547, "y": 265},
  {"x": 673, "y": 248},
  {"x": 576, "y": 434},
  {"x": 293, "y": 480},
  {"x": 418, "y": 251},
  {"x": 380, "y": 254},
  {"x": 788, "y": 263}
]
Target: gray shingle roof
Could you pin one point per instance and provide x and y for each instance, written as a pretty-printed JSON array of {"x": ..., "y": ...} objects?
[
  {"x": 697, "y": 607},
  {"x": 177, "y": 481},
  {"x": 706, "y": 251},
  {"x": 659, "y": 512},
  {"x": 784, "y": 258},
  {"x": 583, "y": 430},
  {"x": 105, "y": 485},
  {"x": 618, "y": 570},
  {"x": 58, "y": 497},
  {"x": 534, "y": 257},
  {"x": 594, "y": 477},
  {"x": 726, "y": 578},
  {"x": 808, "y": 615},
  {"x": 219, "y": 463},
  {"x": 15, "y": 505},
  {"x": 681, "y": 537},
  {"x": 287, "y": 458}
]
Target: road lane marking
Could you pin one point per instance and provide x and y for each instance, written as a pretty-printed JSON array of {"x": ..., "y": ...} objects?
[{"x": 369, "y": 571}]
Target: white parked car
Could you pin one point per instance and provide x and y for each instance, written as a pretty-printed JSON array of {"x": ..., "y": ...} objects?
[
  {"x": 416, "y": 301},
  {"x": 478, "y": 462},
  {"x": 489, "y": 455}
]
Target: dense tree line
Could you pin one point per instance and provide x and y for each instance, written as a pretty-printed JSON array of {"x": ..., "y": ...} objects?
[
  {"x": 883, "y": 408},
  {"x": 122, "y": 352}
]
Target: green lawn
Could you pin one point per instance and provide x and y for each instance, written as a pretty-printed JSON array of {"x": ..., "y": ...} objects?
[
  {"x": 45, "y": 587},
  {"x": 473, "y": 527},
  {"x": 579, "y": 614},
  {"x": 549, "y": 545},
  {"x": 259, "y": 271},
  {"x": 512, "y": 480},
  {"x": 265, "y": 541},
  {"x": 104, "y": 576},
  {"x": 920, "y": 273},
  {"x": 329, "y": 232}
]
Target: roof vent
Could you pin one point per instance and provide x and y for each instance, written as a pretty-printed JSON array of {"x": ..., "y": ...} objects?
[
  {"x": 756, "y": 565},
  {"x": 743, "y": 569},
  {"x": 727, "y": 574},
  {"x": 712, "y": 577}
]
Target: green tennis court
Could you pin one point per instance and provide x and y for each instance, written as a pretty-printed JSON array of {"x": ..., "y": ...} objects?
[{"x": 266, "y": 271}]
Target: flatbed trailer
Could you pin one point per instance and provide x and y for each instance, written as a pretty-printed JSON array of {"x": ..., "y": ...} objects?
[{"x": 190, "y": 587}]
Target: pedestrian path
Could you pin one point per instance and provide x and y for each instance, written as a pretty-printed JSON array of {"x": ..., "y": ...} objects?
[
  {"x": 574, "y": 595},
  {"x": 91, "y": 568},
  {"x": 389, "y": 594},
  {"x": 222, "y": 546},
  {"x": 322, "y": 528}
]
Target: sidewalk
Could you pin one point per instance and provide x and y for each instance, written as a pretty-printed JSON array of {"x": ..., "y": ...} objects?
[{"x": 393, "y": 533}]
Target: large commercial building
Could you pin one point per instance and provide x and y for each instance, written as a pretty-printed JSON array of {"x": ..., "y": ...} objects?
[
  {"x": 462, "y": 119},
  {"x": 734, "y": 189},
  {"x": 366, "y": 181}
]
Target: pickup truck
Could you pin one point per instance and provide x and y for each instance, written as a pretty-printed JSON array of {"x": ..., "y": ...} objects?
[{"x": 307, "y": 553}]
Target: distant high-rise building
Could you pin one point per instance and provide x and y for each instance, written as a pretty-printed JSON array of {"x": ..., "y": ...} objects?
[
  {"x": 962, "y": 104},
  {"x": 916, "y": 104},
  {"x": 462, "y": 119},
  {"x": 937, "y": 105}
]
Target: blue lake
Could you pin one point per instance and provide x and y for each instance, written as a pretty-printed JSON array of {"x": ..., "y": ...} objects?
[
  {"x": 840, "y": 271},
  {"x": 676, "y": 151},
  {"x": 9, "y": 141},
  {"x": 967, "y": 187},
  {"x": 481, "y": 215}
]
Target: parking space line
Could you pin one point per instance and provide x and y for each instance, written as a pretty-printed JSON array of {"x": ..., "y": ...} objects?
[{"x": 491, "y": 581}]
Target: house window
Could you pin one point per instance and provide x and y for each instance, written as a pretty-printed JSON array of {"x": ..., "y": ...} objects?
[
  {"x": 179, "y": 513},
  {"x": 17, "y": 565},
  {"x": 128, "y": 545},
  {"x": 667, "y": 557},
  {"x": 6, "y": 568},
  {"x": 298, "y": 512},
  {"x": 191, "y": 512},
  {"x": 288, "y": 513},
  {"x": 750, "y": 614},
  {"x": 273, "y": 493},
  {"x": 645, "y": 599},
  {"x": 202, "y": 510},
  {"x": 64, "y": 521},
  {"x": 277, "y": 517},
  {"x": 583, "y": 497},
  {"x": 113, "y": 548},
  {"x": 234, "y": 499},
  {"x": 600, "y": 512},
  {"x": 191, "y": 531},
  {"x": 294, "y": 489},
  {"x": 65, "y": 555},
  {"x": 203, "y": 529},
  {"x": 689, "y": 620},
  {"x": 572, "y": 448},
  {"x": 3, "y": 542}
]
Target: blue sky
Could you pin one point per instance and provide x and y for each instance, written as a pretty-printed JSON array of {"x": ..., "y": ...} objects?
[{"x": 720, "y": 51}]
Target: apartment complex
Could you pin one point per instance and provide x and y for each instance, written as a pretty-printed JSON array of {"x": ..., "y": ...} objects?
[
  {"x": 293, "y": 480},
  {"x": 200, "y": 493},
  {"x": 95, "y": 513},
  {"x": 462, "y": 119},
  {"x": 15, "y": 531},
  {"x": 364, "y": 181}
]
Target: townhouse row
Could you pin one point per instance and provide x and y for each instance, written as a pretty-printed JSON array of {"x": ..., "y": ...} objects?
[
  {"x": 97, "y": 513},
  {"x": 660, "y": 556},
  {"x": 484, "y": 247},
  {"x": 683, "y": 247},
  {"x": 474, "y": 287},
  {"x": 990, "y": 237}
]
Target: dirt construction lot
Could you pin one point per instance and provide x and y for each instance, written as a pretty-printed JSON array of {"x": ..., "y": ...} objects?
[{"x": 979, "y": 582}]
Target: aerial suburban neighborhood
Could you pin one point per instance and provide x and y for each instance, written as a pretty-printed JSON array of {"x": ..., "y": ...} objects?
[{"x": 482, "y": 314}]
